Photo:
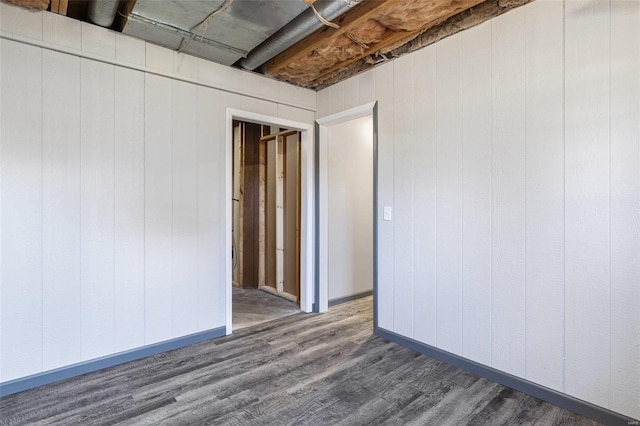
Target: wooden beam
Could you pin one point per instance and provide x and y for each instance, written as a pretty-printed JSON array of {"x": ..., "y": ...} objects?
[
  {"x": 356, "y": 16},
  {"x": 462, "y": 21},
  {"x": 123, "y": 16},
  {"x": 62, "y": 7},
  {"x": 59, "y": 7},
  {"x": 31, "y": 4},
  {"x": 396, "y": 38}
]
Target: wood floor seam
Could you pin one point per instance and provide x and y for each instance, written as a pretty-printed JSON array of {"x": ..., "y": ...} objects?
[{"x": 305, "y": 369}]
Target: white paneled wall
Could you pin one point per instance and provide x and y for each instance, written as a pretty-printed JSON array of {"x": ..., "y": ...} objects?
[
  {"x": 587, "y": 198},
  {"x": 61, "y": 290},
  {"x": 97, "y": 208},
  {"x": 544, "y": 198},
  {"x": 403, "y": 197},
  {"x": 476, "y": 194},
  {"x": 22, "y": 260},
  {"x": 448, "y": 202},
  {"x": 112, "y": 189},
  {"x": 511, "y": 155},
  {"x": 625, "y": 207},
  {"x": 129, "y": 154},
  {"x": 508, "y": 193}
]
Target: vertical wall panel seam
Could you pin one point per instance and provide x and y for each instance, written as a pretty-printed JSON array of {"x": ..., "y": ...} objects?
[
  {"x": 144, "y": 204},
  {"x": 412, "y": 138},
  {"x": 610, "y": 188},
  {"x": 197, "y": 251},
  {"x": 1, "y": 377},
  {"x": 413, "y": 203},
  {"x": 461, "y": 67},
  {"x": 524, "y": 242},
  {"x": 173, "y": 261},
  {"x": 41, "y": 207},
  {"x": 491, "y": 203},
  {"x": 113, "y": 147},
  {"x": 435, "y": 194},
  {"x": 80, "y": 204},
  {"x": 564, "y": 196},
  {"x": 393, "y": 186},
  {"x": 196, "y": 279}
]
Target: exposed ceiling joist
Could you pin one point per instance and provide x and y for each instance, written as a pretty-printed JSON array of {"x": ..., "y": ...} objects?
[
  {"x": 358, "y": 15},
  {"x": 398, "y": 38},
  {"x": 467, "y": 19},
  {"x": 374, "y": 27},
  {"x": 59, "y": 6}
]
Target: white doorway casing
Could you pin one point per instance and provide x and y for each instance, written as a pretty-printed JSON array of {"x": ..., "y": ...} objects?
[
  {"x": 324, "y": 124},
  {"x": 307, "y": 224}
]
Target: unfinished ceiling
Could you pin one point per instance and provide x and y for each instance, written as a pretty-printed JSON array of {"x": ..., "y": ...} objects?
[
  {"x": 225, "y": 37},
  {"x": 286, "y": 39}
]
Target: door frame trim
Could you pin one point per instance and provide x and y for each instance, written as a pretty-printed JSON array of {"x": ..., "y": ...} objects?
[
  {"x": 307, "y": 208},
  {"x": 322, "y": 127}
]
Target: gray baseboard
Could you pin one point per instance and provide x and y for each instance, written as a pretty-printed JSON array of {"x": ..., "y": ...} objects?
[
  {"x": 345, "y": 299},
  {"x": 46, "y": 377},
  {"x": 584, "y": 408}
]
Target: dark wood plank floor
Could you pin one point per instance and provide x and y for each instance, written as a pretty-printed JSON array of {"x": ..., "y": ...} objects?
[
  {"x": 304, "y": 369},
  {"x": 251, "y": 307}
]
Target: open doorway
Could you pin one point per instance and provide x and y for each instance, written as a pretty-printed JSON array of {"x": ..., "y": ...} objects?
[
  {"x": 307, "y": 205},
  {"x": 347, "y": 207},
  {"x": 266, "y": 222}
]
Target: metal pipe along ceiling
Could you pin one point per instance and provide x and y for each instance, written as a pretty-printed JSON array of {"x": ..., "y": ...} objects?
[
  {"x": 103, "y": 12},
  {"x": 300, "y": 27}
]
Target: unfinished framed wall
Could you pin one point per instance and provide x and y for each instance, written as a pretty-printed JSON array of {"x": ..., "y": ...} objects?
[{"x": 307, "y": 221}]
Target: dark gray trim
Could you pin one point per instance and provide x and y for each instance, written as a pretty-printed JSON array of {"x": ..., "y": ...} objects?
[
  {"x": 584, "y": 408},
  {"x": 345, "y": 299},
  {"x": 46, "y": 377},
  {"x": 375, "y": 217}
]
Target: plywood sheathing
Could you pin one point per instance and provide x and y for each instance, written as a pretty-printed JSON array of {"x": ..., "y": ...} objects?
[
  {"x": 31, "y": 4},
  {"x": 388, "y": 24}
]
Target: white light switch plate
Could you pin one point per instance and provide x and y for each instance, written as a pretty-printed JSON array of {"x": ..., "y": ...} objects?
[{"x": 387, "y": 213}]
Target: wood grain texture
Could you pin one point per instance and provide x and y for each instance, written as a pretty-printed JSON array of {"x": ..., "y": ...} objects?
[
  {"x": 250, "y": 187},
  {"x": 291, "y": 214},
  {"x": 303, "y": 369}
]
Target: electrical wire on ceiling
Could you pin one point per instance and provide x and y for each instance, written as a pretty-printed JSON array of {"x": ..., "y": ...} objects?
[
  {"x": 320, "y": 17},
  {"x": 203, "y": 25}
]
